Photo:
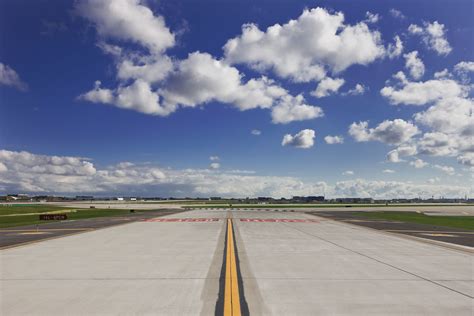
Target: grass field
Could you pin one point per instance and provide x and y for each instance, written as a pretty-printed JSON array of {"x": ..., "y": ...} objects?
[
  {"x": 464, "y": 222},
  {"x": 20, "y": 219},
  {"x": 28, "y": 208}
]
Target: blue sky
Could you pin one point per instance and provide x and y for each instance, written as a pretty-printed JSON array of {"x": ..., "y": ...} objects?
[{"x": 59, "y": 134}]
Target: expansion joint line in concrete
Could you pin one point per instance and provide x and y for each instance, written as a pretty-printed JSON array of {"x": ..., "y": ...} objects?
[{"x": 382, "y": 262}]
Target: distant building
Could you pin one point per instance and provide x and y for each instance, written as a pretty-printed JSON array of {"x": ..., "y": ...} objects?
[
  {"x": 355, "y": 200},
  {"x": 17, "y": 197},
  {"x": 307, "y": 199},
  {"x": 84, "y": 197}
]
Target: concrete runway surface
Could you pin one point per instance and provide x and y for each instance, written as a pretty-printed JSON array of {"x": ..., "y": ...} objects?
[{"x": 287, "y": 264}]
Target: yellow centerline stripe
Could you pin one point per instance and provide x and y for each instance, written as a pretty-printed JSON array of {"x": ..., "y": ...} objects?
[{"x": 231, "y": 294}]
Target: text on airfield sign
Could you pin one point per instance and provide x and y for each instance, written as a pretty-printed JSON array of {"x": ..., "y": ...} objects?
[{"x": 52, "y": 217}]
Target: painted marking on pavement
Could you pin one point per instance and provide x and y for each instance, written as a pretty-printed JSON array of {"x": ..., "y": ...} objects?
[
  {"x": 231, "y": 292},
  {"x": 179, "y": 220},
  {"x": 278, "y": 220},
  {"x": 42, "y": 230},
  {"x": 427, "y": 231},
  {"x": 438, "y": 235},
  {"x": 31, "y": 233},
  {"x": 73, "y": 232},
  {"x": 369, "y": 221}
]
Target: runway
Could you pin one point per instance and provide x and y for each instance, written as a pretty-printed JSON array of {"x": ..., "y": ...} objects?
[{"x": 286, "y": 264}]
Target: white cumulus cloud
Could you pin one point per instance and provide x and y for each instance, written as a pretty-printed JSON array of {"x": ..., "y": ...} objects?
[
  {"x": 449, "y": 115},
  {"x": 3, "y": 168},
  {"x": 391, "y": 189},
  {"x": 414, "y": 65},
  {"x": 304, "y": 48},
  {"x": 302, "y": 139},
  {"x": 214, "y": 165},
  {"x": 334, "y": 139},
  {"x": 397, "y": 14},
  {"x": 10, "y": 77},
  {"x": 464, "y": 67},
  {"x": 418, "y": 163},
  {"x": 467, "y": 159},
  {"x": 43, "y": 174},
  {"x": 421, "y": 93},
  {"x": 437, "y": 144},
  {"x": 31, "y": 173},
  {"x": 359, "y": 89},
  {"x": 433, "y": 35},
  {"x": 394, "y": 50},
  {"x": 289, "y": 109},
  {"x": 396, "y": 154},
  {"x": 446, "y": 169},
  {"x": 442, "y": 74},
  {"x": 138, "y": 96},
  {"x": 371, "y": 17},
  {"x": 154, "y": 83},
  {"x": 200, "y": 79},
  {"x": 38, "y": 164},
  {"x": 327, "y": 86},
  {"x": 449, "y": 120},
  {"x": 152, "y": 69},
  {"x": 128, "y": 20},
  {"x": 390, "y": 132}
]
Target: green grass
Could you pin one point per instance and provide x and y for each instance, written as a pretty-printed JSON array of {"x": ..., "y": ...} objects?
[
  {"x": 28, "y": 208},
  {"x": 464, "y": 222},
  {"x": 20, "y": 220}
]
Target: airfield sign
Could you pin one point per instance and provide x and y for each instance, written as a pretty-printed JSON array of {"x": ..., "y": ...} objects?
[{"x": 53, "y": 217}]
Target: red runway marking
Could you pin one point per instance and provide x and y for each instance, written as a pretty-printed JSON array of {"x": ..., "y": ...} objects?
[
  {"x": 278, "y": 220},
  {"x": 179, "y": 220}
]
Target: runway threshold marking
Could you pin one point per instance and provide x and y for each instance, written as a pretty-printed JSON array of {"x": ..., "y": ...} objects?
[
  {"x": 231, "y": 292},
  {"x": 278, "y": 220},
  {"x": 180, "y": 220}
]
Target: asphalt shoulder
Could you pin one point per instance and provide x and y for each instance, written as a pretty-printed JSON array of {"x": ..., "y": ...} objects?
[
  {"x": 20, "y": 235},
  {"x": 439, "y": 233}
]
